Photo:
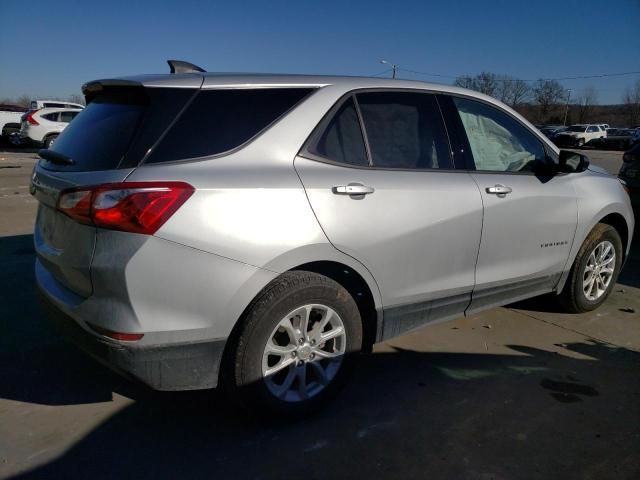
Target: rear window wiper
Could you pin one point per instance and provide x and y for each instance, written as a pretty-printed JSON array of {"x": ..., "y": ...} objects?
[{"x": 55, "y": 157}]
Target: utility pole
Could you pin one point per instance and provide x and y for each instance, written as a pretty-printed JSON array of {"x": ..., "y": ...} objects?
[
  {"x": 394, "y": 67},
  {"x": 566, "y": 110}
]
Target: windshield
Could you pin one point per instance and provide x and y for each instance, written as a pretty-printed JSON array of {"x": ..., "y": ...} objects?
[{"x": 577, "y": 128}]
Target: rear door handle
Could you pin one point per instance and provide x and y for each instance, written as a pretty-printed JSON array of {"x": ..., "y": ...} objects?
[
  {"x": 352, "y": 189},
  {"x": 499, "y": 190}
]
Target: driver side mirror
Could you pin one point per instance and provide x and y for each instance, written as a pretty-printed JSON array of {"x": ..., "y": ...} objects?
[{"x": 571, "y": 162}]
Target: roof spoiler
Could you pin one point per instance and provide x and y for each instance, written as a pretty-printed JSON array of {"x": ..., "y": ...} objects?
[{"x": 179, "y": 66}]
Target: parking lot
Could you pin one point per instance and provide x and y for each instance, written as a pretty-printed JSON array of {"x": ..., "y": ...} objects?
[{"x": 518, "y": 392}]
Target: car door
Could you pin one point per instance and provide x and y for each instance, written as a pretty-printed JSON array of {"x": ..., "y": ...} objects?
[
  {"x": 379, "y": 176},
  {"x": 530, "y": 214}
]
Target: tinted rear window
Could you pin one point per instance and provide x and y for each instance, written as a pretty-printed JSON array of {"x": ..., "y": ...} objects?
[
  {"x": 218, "y": 121},
  {"x": 405, "y": 130},
  {"x": 98, "y": 138},
  {"x": 117, "y": 128}
]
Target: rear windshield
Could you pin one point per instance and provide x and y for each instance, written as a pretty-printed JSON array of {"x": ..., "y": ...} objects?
[
  {"x": 99, "y": 137},
  {"x": 218, "y": 121},
  {"x": 119, "y": 127},
  {"x": 577, "y": 128}
]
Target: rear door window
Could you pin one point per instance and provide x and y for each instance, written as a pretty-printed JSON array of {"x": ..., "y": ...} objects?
[
  {"x": 66, "y": 117},
  {"x": 218, "y": 121},
  {"x": 405, "y": 130}
]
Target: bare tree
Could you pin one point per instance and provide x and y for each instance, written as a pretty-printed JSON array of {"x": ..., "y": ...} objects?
[
  {"x": 464, "y": 81},
  {"x": 23, "y": 100},
  {"x": 548, "y": 94},
  {"x": 512, "y": 91},
  {"x": 631, "y": 100},
  {"x": 586, "y": 102},
  {"x": 76, "y": 98},
  {"x": 485, "y": 82}
]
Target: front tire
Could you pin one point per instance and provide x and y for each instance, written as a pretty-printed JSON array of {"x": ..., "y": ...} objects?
[
  {"x": 595, "y": 270},
  {"x": 295, "y": 346}
]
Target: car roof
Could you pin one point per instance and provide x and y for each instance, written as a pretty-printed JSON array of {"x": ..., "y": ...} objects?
[
  {"x": 63, "y": 102},
  {"x": 261, "y": 80},
  {"x": 56, "y": 109}
]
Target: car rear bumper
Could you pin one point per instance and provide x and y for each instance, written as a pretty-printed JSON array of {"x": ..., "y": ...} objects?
[{"x": 177, "y": 366}]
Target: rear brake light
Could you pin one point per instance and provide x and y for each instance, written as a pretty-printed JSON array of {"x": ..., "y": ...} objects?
[
  {"x": 625, "y": 186},
  {"x": 30, "y": 119},
  {"x": 626, "y": 157},
  {"x": 138, "y": 207},
  {"x": 127, "y": 337}
]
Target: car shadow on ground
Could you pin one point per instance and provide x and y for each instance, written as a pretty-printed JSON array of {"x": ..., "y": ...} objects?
[
  {"x": 533, "y": 414},
  {"x": 567, "y": 411},
  {"x": 21, "y": 149}
]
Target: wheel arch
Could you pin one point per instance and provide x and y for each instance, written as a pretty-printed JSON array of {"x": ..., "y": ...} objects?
[
  {"x": 367, "y": 299},
  {"x": 359, "y": 290},
  {"x": 50, "y": 135},
  {"x": 609, "y": 216},
  {"x": 617, "y": 221}
]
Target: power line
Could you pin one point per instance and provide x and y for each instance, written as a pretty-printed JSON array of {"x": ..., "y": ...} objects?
[
  {"x": 575, "y": 77},
  {"x": 428, "y": 74},
  {"x": 381, "y": 73},
  {"x": 599, "y": 75}
]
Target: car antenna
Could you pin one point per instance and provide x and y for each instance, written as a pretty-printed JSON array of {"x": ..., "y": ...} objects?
[{"x": 180, "y": 66}]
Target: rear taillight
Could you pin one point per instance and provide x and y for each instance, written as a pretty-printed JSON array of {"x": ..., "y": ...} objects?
[
  {"x": 30, "y": 119},
  {"x": 122, "y": 336},
  {"x": 138, "y": 207},
  {"x": 625, "y": 186},
  {"x": 626, "y": 157}
]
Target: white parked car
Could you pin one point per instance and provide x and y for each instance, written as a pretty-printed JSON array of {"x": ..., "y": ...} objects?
[
  {"x": 43, "y": 126},
  {"x": 10, "y": 119},
  {"x": 579, "y": 135}
]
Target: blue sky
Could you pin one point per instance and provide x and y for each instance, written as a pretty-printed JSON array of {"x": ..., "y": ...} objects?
[{"x": 49, "y": 48}]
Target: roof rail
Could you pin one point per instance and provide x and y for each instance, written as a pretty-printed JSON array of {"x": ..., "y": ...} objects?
[{"x": 180, "y": 66}]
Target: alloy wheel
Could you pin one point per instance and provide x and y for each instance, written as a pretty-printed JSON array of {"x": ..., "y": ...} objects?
[
  {"x": 599, "y": 270},
  {"x": 304, "y": 353}
]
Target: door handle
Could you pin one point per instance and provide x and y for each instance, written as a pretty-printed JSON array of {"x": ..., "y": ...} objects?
[
  {"x": 352, "y": 189},
  {"x": 499, "y": 190}
]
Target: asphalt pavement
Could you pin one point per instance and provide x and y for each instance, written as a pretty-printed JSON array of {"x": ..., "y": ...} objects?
[{"x": 522, "y": 392}]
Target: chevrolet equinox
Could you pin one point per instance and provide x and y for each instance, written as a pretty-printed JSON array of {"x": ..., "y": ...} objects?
[{"x": 258, "y": 231}]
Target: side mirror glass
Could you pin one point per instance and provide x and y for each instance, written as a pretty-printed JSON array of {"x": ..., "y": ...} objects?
[{"x": 571, "y": 162}]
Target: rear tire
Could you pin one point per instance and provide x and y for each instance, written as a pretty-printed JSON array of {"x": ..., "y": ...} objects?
[
  {"x": 594, "y": 271},
  {"x": 278, "y": 363},
  {"x": 48, "y": 141}
]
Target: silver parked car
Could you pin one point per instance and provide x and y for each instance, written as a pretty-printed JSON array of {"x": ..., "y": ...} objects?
[{"x": 258, "y": 231}]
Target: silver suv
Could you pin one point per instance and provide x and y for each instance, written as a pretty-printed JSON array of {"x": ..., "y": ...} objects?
[{"x": 258, "y": 231}]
